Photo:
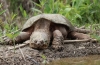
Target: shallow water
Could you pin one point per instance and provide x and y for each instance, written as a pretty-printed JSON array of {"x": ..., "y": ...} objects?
[{"x": 87, "y": 60}]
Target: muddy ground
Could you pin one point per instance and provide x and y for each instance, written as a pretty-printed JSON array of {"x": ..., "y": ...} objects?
[{"x": 28, "y": 56}]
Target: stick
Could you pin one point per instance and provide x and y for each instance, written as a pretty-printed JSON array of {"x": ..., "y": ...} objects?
[
  {"x": 18, "y": 46},
  {"x": 76, "y": 41},
  {"x": 22, "y": 54}
]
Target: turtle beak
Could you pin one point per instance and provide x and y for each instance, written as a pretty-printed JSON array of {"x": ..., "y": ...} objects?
[{"x": 38, "y": 44}]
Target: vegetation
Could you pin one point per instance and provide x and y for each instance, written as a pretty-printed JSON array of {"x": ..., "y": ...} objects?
[{"x": 79, "y": 12}]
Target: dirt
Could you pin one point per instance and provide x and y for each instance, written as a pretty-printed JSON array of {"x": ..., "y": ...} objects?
[{"x": 29, "y": 56}]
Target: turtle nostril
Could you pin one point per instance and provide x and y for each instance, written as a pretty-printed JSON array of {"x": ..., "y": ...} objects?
[
  {"x": 41, "y": 41},
  {"x": 38, "y": 43},
  {"x": 35, "y": 41}
]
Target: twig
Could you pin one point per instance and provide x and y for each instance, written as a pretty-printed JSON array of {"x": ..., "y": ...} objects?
[
  {"x": 32, "y": 59},
  {"x": 17, "y": 46},
  {"x": 75, "y": 41},
  {"x": 22, "y": 54}
]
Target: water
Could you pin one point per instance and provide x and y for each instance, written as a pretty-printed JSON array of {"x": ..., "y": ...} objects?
[{"x": 87, "y": 60}]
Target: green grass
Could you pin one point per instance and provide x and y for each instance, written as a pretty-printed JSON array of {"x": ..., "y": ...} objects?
[{"x": 79, "y": 12}]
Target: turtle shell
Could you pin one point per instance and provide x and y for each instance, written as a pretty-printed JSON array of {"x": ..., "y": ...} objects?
[{"x": 55, "y": 18}]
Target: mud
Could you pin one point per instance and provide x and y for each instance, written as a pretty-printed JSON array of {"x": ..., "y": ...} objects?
[{"x": 29, "y": 56}]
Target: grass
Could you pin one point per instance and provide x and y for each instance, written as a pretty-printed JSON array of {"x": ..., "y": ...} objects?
[{"x": 79, "y": 12}]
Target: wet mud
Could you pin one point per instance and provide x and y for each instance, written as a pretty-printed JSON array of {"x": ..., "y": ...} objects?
[{"x": 29, "y": 56}]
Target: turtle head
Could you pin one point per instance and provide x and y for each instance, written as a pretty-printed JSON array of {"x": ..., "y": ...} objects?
[{"x": 39, "y": 40}]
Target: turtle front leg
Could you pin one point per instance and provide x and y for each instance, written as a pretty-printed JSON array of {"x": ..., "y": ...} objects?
[
  {"x": 23, "y": 36},
  {"x": 58, "y": 40}
]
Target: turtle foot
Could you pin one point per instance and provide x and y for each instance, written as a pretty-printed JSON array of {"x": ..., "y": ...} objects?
[
  {"x": 57, "y": 47},
  {"x": 58, "y": 43}
]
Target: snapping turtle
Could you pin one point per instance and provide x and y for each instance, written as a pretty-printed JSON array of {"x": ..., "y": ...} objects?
[{"x": 47, "y": 29}]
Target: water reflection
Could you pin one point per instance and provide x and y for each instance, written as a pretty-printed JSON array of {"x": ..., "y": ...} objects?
[{"x": 87, "y": 60}]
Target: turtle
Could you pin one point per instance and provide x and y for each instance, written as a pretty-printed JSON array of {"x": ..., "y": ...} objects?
[{"x": 46, "y": 30}]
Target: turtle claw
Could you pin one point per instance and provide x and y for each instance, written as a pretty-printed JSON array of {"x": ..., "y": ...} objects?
[
  {"x": 7, "y": 41},
  {"x": 57, "y": 43}
]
